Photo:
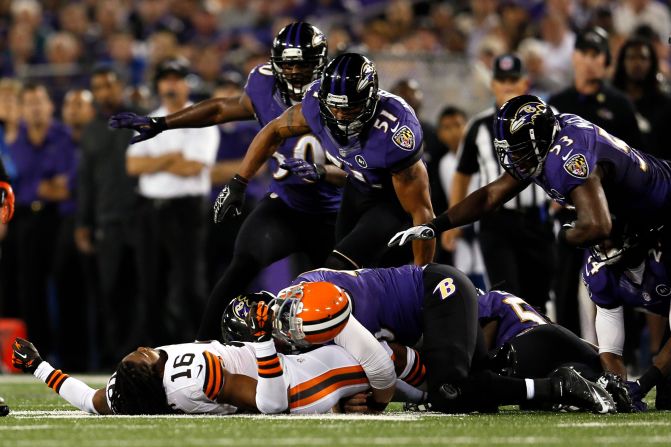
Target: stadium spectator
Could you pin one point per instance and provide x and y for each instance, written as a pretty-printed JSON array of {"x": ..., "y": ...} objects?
[
  {"x": 10, "y": 110},
  {"x": 558, "y": 41},
  {"x": 636, "y": 74},
  {"x": 37, "y": 153},
  {"x": 629, "y": 14},
  {"x": 174, "y": 179},
  {"x": 70, "y": 278},
  {"x": 106, "y": 218}
]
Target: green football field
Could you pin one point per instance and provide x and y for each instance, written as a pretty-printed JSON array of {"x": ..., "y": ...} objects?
[{"x": 40, "y": 418}]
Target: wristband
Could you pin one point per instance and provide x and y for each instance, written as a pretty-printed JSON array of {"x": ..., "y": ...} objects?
[
  {"x": 440, "y": 223},
  {"x": 159, "y": 123},
  {"x": 240, "y": 179},
  {"x": 652, "y": 377}
]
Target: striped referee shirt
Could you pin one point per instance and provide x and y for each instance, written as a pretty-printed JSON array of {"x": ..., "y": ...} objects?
[{"x": 477, "y": 155}]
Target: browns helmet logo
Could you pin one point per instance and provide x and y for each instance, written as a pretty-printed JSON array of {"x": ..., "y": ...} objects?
[
  {"x": 527, "y": 114},
  {"x": 577, "y": 166},
  {"x": 404, "y": 138}
]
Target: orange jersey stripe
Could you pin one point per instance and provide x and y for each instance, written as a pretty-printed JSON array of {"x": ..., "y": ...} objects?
[
  {"x": 209, "y": 386},
  {"x": 214, "y": 376},
  {"x": 301, "y": 387},
  {"x": 59, "y": 382},
  {"x": 326, "y": 391},
  {"x": 261, "y": 363},
  {"x": 54, "y": 377},
  {"x": 275, "y": 370}
]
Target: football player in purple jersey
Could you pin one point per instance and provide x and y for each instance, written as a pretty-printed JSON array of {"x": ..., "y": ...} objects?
[
  {"x": 304, "y": 194},
  {"x": 615, "y": 189},
  {"x": 371, "y": 134},
  {"x": 640, "y": 279},
  {"x": 434, "y": 306}
]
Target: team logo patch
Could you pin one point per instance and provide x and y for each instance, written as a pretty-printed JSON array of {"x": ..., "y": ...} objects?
[
  {"x": 527, "y": 114},
  {"x": 404, "y": 138},
  {"x": 367, "y": 75},
  {"x": 577, "y": 166},
  {"x": 361, "y": 161},
  {"x": 663, "y": 290}
]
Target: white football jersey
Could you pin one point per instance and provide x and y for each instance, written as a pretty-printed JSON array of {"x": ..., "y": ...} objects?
[{"x": 193, "y": 374}]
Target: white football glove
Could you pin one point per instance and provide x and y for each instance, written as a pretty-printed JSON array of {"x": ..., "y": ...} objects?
[{"x": 420, "y": 232}]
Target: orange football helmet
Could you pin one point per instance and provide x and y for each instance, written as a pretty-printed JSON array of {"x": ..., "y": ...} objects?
[{"x": 310, "y": 313}]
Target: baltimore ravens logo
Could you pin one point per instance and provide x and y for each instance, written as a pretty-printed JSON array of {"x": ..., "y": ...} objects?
[
  {"x": 241, "y": 309},
  {"x": 404, "y": 138},
  {"x": 527, "y": 114},
  {"x": 361, "y": 161},
  {"x": 577, "y": 166},
  {"x": 367, "y": 75}
]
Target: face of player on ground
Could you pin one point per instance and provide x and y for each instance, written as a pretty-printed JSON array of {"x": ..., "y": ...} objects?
[
  {"x": 143, "y": 356},
  {"x": 507, "y": 88}
]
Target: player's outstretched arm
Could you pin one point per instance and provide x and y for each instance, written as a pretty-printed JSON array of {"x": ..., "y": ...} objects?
[
  {"x": 472, "y": 208},
  {"x": 265, "y": 143},
  {"x": 594, "y": 222},
  {"x": 203, "y": 114},
  {"x": 26, "y": 358},
  {"x": 412, "y": 188}
]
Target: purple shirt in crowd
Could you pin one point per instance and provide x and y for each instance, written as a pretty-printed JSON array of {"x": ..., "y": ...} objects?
[{"x": 55, "y": 156}]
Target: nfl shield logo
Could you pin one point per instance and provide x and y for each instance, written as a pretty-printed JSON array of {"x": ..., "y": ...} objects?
[{"x": 577, "y": 166}]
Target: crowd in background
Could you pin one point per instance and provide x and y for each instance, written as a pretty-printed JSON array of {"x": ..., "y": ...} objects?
[{"x": 68, "y": 261}]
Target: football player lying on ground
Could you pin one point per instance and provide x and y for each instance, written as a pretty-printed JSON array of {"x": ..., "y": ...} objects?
[
  {"x": 525, "y": 343},
  {"x": 212, "y": 378},
  {"x": 635, "y": 274},
  {"x": 437, "y": 303}
]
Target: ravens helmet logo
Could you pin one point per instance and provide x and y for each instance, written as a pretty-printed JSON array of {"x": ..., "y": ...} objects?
[{"x": 526, "y": 114}]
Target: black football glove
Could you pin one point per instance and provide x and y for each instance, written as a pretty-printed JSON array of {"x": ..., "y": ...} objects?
[
  {"x": 230, "y": 200},
  {"x": 619, "y": 391},
  {"x": 260, "y": 322},
  {"x": 25, "y": 356}
]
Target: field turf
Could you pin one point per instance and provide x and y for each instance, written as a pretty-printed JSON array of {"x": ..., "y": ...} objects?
[{"x": 40, "y": 418}]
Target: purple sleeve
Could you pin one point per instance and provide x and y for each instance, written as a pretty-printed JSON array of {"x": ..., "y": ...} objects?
[
  {"x": 566, "y": 172},
  {"x": 405, "y": 145},
  {"x": 486, "y": 307},
  {"x": 599, "y": 283}
]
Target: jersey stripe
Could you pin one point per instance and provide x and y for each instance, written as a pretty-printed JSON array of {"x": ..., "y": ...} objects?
[
  {"x": 55, "y": 380},
  {"x": 314, "y": 389},
  {"x": 214, "y": 376},
  {"x": 417, "y": 373},
  {"x": 269, "y": 367}
]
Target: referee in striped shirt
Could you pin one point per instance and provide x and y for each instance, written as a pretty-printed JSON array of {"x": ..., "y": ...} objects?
[{"x": 517, "y": 241}]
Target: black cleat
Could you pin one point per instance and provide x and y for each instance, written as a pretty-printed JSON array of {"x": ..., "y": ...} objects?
[
  {"x": 576, "y": 391},
  {"x": 4, "y": 408}
]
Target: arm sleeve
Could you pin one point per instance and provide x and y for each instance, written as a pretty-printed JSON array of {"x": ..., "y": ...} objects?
[
  {"x": 610, "y": 329},
  {"x": 271, "y": 389},
  {"x": 74, "y": 391},
  {"x": 366, "y": 350}
]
